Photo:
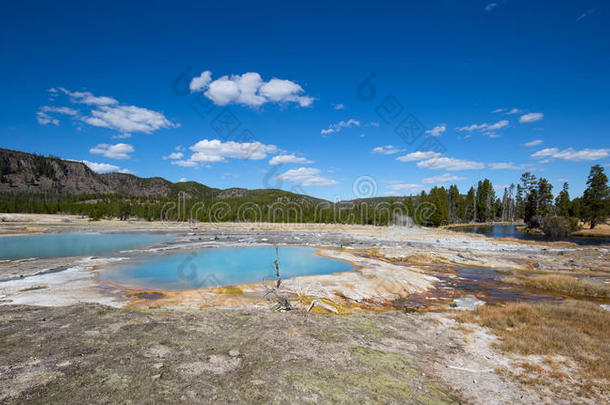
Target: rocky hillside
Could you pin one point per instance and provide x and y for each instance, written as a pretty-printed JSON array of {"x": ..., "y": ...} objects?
[{"x": 22, "y": 172}]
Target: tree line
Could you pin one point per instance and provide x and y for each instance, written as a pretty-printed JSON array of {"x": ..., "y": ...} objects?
[{"x": 530, "y": 200}]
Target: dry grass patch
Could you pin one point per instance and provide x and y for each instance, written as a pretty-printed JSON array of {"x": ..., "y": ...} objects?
[
  {"x": 574, "y": 330},
  {"x": 563, "y": 284}
]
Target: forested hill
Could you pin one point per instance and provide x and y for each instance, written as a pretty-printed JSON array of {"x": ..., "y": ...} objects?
[{"x": 26, "y": 173}]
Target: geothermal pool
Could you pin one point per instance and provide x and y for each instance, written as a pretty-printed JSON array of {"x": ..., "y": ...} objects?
[
  {"x": 216, "y": 267},
  {"x": 73, "y": 244}
]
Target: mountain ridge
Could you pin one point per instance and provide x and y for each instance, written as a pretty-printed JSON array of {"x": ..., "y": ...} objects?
[{"x": 23, "y": 172}]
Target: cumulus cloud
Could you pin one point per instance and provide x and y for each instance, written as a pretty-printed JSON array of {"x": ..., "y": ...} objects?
[
  {"x": 101, "y": 167},
  {"x": 118, "y": 151},
  {"x": 572, "y": 154},
  {"x": 213, "y": 151},
  {"x": 386, "y": 150},
  {"x": 443, "y": 178},
  {"x": 339, "y": 125},
  {"x": 306, "y": 176},
  {"x": 437, "y": 130},
  {"x": 339, "y": 106},
  {"x": 531, "y": 117},
  {"x": 535, "y": 142},
  {"x": 249, "y": 89},
  {"x": 201, "y": 82},
  {"x": 415, "y": 156},
  {"x": 128, "y": 119},
  {"x": 449, "y": 164},
  {"x": 280, "y": 159},
  {"x": 106, "y": 112},
  {"x": 174, "y": 156}
]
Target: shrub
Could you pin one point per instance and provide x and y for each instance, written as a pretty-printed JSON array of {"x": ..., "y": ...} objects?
[{"x": 559, "y": 227}]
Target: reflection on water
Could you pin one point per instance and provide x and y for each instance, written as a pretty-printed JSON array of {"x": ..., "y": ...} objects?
[
  {"x": 73, "y": 244},
  {"x": 511, "y": 231},
  {"x": 216, "y": 267}
]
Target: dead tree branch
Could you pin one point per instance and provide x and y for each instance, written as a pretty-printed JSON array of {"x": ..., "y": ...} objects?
[{"x": 282, "y": 302}]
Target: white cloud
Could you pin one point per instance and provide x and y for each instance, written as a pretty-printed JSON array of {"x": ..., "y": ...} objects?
[
  {"x": 44, "y": 119},
  {"x": 306, "y": 176},
  {"x": 512, "y": 111},
  {"x": 283, "y": 91},
  {"x": 185, "y": 163},
  {"x": 386, "y": 150},
  {"x": 341, "y": 124},
  {"x": 406, "y": 187},
  {"x": 545, "y": 153},
  {"x": 504, "y": 165},
  {"x": 437, "y": 130},
  {"x": 59, "y": 110},
  {"x": 182, "y": 180},
  {"x": 498, "y": 125},
  {"x": 535, "y": 142},
  {"x": 339, "y": 107},
  {"x": 201, "y": 82},
  {"x": 415, "y": 156},
  {"x": 449, "y": 164},
  {"x": 85, "y": 97},
  {"x": 490, "y": 6},
  {"x": 106, "y": 112},
  {"x": 488, "y": 128},
  {"x": 531, "y": 117},
  {"x": 444, "y": 178},
  {"x": 126, "y": 171},
  {"x": 128, "y": 119},
  {"x": 572, "y": 154},
  {"x": 491, "y": 134},
  {"x": 212, "y": 151},
  {"x": 174, "y": 156},
  {"x": 249, "y": 89},
  {"x": 280, "y": 159},
  {"x": 101, "y": 167},
  {"x": 118, "y": 151}
]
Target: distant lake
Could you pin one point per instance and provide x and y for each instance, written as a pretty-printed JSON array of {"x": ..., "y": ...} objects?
[
  {"x": 511, "y": 231},
  {"x": 214, "y": 267},
  {"x": 73, "y": 244}
]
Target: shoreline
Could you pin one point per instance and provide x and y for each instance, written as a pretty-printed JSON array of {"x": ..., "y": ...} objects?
[{"x": 389, "y": 262}]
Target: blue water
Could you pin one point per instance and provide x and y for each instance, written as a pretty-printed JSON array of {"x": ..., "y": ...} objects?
[
  {"x": 510, "y": 231},
  {"x": 73, "y": 244},
  {"x": 216, "y": 267}
]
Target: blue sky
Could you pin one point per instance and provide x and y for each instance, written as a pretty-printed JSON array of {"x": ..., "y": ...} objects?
[{"x": 477, "y": 81}]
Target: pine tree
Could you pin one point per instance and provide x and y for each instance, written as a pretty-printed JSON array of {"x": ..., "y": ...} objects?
[
  {"x": 595, "y": 197},
  {"x": 544, "y": 202},
  {"x": 562, "y": 202}
]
